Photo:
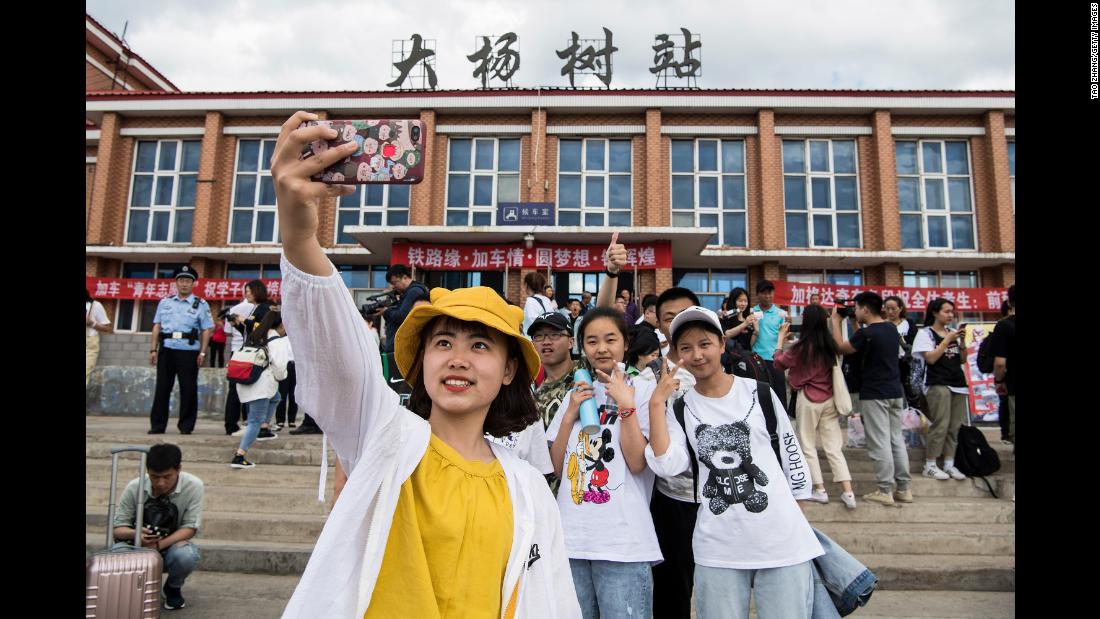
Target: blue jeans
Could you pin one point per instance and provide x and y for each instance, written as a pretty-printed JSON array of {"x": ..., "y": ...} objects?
[
  {"x": 612, "y": 589},
  {"x": 180, "y": 559},
  {"x": 259, "y": 412},
  {"x": 839, "y": 580},
  {"x": 780, "y": 592}
]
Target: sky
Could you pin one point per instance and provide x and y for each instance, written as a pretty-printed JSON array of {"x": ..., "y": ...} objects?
[{"x": 257, "y": 45}]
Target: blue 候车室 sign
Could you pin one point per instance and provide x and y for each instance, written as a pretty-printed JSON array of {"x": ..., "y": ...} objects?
[{"x": 525, "y": 213}]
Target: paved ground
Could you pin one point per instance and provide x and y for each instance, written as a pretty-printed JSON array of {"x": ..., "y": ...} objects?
[{"x": 218, "y": 595}]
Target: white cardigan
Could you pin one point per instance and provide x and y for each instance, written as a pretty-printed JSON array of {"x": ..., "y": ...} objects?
[
  {"x": 379, "y": 444},
  {"x": 267, "y": 385}
]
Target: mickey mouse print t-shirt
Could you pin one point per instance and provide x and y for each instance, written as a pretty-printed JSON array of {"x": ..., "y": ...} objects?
[
  {"x": 604, "y": 507},
  {"x": 748, "y": 517}
]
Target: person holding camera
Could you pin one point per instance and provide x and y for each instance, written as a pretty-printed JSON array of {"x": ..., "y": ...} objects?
[
  {"x": 882, "y": 399},
  {"x": 172, "y": 516},
  {"x": 407, "y": 292}
]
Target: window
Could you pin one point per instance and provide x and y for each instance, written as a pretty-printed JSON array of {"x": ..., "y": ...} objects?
[
  {"x": 708, "y": 190},
  {"x": 162, "y": 191},
  {"x": 594, "y": 182},
  {"x": 137, "y": 315},
  {"x": 372, "y": 205},
  {"x": 942, "y": 279},
  {"x": 710, "y": 285},
  {"x": 255, "y": 219},
  {"x": 1012, "y": 171},
  {"x": 480, "y": 173},
  {"x": 465, "y": 279},
  {"x": 934, "y": 195},
  {"x": 821, "y": 193},
  {"x": 253, "y": 271},
  {"x": 363, "y": 276}
]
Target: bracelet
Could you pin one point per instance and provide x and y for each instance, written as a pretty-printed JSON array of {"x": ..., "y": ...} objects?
[
  {"x": 610, "y": 274},
  {"x": 626, "y": 413}
]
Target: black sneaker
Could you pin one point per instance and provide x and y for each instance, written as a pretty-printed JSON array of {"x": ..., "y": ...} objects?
[
  {"x": 240, "y": 463},
  {"x": 173, "y": 598},
  {"x": 155, "y": 432},
  {"x": 306, "y": 430},
  {"x": 266, "y": 435}
]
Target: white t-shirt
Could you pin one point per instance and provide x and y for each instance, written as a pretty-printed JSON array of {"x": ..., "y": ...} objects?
[
  {"x": 529, "y": 445},
  {"x": 678, "y": 487},
  {"x": 903, "y": 330},
  {"x": 95, "y": 311},
  {"x": 604, "y": 507},
  {"x": 243, "y": 310},
  {"x": 748, "y": 516},
  {"x": 532, "y": 309},
  {"x": 925, "y": 343}
]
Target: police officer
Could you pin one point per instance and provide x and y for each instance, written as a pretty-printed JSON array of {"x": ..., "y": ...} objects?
[{"x": 181, "y": 335}]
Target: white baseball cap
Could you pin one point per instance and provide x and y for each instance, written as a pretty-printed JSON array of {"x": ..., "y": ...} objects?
[{"x": 692, "y": 314}]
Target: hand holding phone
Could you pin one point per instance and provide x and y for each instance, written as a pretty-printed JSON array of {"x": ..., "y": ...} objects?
[{"x": 389, "y": 151}]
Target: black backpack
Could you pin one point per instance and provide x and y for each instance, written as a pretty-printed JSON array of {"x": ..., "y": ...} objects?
[
  {"x": 161, "y": 514},
  {"x": 985, "y": 355},
  {"x": 974, "y": 457},
  {"x": 745, "y": 363}
]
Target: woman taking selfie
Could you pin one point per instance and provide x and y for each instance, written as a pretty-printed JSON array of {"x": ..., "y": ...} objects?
[{"x": 434, "y": 521}]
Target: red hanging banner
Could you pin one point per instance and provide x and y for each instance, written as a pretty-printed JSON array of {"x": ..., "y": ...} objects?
[
  {"x": 440, "y": 257},
  {"x": 965, "y": 299},
  {"x": 105, "y": 288}
]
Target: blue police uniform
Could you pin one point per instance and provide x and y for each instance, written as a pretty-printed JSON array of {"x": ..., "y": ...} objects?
[{"x": 182, "y": 322}]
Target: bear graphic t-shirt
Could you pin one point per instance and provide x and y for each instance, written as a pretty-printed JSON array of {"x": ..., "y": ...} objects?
[
  {"x": 748, "y": 517},
  {"x": 604, "y": 507}
]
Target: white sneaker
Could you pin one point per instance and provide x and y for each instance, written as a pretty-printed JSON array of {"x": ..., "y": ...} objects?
[
  {"x": 933, "y": 471},
  {"x": 954, "y": 473},
  {"x": 849, "y": 499},
  {"x": 238, "y": 432},
  {"x": 819, "y": 496}
]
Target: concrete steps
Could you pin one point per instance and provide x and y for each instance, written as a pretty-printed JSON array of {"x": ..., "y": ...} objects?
[{"x": 949, "y": 554}]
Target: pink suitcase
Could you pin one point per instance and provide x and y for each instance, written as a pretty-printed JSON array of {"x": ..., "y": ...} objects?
[{"x": 124, "y": 584}]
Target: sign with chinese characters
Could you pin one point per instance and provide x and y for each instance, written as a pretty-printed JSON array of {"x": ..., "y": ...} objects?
[
  {"x": 421, "y": 56},
  {"x": 675, "y": 56},
  {"x": 525, "y": 213},
  {"x": 984, "y": 401},
  {"x": 438, "y": 257},
  {"x": 965, "y": 299},
  {"x": 497, "y": 61},
  {"x": 664, "y": 58},
  {"x": 106, "y": 288}
]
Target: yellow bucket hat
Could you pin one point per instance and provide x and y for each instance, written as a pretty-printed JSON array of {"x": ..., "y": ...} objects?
[{"x": 477, "y": 304}]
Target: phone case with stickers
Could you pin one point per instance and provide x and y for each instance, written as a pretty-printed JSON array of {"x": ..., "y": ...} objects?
[{"x": 391, "y": 151}]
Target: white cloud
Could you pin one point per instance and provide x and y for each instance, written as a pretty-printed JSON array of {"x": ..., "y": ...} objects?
[{"x": 329, "y": 45}]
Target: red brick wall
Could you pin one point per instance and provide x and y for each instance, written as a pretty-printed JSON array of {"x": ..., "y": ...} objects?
[
  {"x": 938, "y": 120},
  {"x": 164, "y": 122},
  {"x": 674, "y": 119},
  {"x": 882, "y": 218},
  {"x": 994, "y": 217},
  {"x": 573, "y": 120},
  {"x": 823, "y": 120},
  {"x": 770, "y": 180},
  {"x": 1010, "y": 121}
]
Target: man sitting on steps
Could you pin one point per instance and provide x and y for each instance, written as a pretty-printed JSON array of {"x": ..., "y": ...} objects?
[{"x": 172, "y": 516}]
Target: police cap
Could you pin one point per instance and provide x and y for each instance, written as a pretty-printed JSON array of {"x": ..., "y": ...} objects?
[{"x": 185, "y": 271}]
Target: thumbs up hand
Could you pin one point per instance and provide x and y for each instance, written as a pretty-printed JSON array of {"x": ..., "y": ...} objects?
[{"x": 615, "y": 260}]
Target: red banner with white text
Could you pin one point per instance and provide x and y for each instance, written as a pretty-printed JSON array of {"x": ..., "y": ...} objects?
[
  {"x": 106, "y": 288},
  {"x": 965, "y": 299},
  {"x": 440, "y": 257}
]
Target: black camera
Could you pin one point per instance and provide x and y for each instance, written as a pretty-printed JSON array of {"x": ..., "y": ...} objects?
[
  {"x": 224, "y": 314},
  {"x": 845, "y": 308},
  {"x": 377, "y": 302},
  {"x": 158, "y": 531}
]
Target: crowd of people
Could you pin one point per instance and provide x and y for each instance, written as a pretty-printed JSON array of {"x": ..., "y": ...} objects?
[{"x": 673, "y": 471}]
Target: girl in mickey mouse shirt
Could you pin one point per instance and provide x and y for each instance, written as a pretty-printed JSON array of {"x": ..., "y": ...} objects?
[{"x": 750, "y": 537}]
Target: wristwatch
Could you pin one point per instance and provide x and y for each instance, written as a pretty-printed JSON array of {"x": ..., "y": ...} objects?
[{"x": 610, "y": 274}]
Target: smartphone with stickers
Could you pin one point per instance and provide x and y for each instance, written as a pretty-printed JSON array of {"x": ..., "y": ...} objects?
[{"x": 390, "y": 151}]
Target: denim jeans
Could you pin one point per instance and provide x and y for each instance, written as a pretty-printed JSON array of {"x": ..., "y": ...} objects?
[
  {"x": 180, "y": 559},
  {"x": 840, "y": 580},
  {"x": 779, "y": 592},
  {"x": 612, "y": 589},
  {"x": 259, "y": 412}
]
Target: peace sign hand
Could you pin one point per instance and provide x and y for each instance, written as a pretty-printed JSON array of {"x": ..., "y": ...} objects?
[
  {"x": 667, "y": 386},
  {"x": 615, "y": 261},
  {"x": 622, "y": 393}
]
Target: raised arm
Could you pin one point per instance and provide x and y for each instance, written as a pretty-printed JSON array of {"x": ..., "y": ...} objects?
[
  {"x": 614, "y": 262},
  {"x": 339, "y": 368},
  {"x": 842, "y": 346}
]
